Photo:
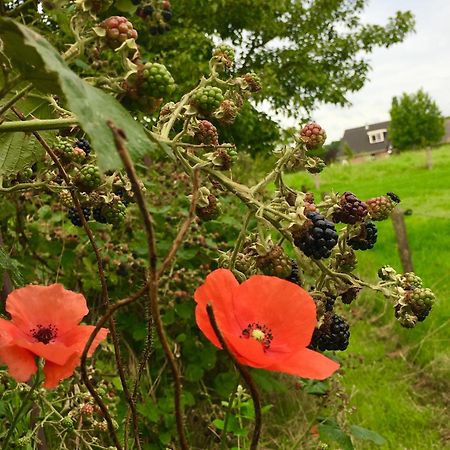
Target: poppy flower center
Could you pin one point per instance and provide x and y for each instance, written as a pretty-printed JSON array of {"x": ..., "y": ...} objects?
[
  {"x": 260, "y": 333},
  {"x": 44, "y": 334}
]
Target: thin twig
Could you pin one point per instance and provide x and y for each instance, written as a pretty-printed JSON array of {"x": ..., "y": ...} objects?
[
  {"x": 119, "y": 138},
  {"x": 245, "y": 375},
  {"x": 184, "y": 227}
]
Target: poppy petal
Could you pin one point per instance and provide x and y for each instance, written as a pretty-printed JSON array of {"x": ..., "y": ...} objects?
[
  {"x": 306, "y": 363},
  {"x": 55, "y": 352},
  {"x": 20, "y": 362},
  {"x": 76, "y": 338},
  {"x": 54, "y": 373},
  {"x": 217, "y": 290},
  {"x": 46, "y": 305},
  {"x": 284, "y": 307}
]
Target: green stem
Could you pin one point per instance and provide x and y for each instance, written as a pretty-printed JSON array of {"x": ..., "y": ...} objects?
[
  {"x": 37, "y": 125},
  {"x": 15, "y": 98},
  {"x": 240, "y": 240},
  {"x": 223, "y": 435},
  {"x": 25, "y": 403}
]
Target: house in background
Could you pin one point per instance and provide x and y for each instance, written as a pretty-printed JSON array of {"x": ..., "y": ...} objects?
[{"x": 373, "y": 140}]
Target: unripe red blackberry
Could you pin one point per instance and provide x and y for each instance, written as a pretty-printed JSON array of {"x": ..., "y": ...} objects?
[
  {"x": 366, "y": 238},
  {"x": 350, "y": 209},
  {"x": 253, "y": 81},
  {"x": 275, "y": 263},
  {"x": 224, "y": 54},
  {"x": 118, "y": 30},
  {"x": 209, "y": 212},
  {"x": 156, "y": 80},
  {"x": 88, "y": 178},
  {"x": 206, "y": 133},
  {"x": 381, "y": 207},
  {"x": 313, "y": 135},
  {"x": 317, "y": 237},
  {"x": 333, "y": 334},
  {"x": 208, "y": 98}
]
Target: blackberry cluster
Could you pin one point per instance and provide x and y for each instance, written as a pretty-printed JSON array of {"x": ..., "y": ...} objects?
[
  {"x": 209, "y": 212},
  {"x": 275, "y": 263},
  {"x": 89, "y": 178},
  {"x": 333, "y": 334},
  {"x": 75, "y": 218},
  {"x": 208, "y": 98},
  {"x": 318, "y": 239},
  {"x": 366, "y": 238},
  {"x": 118, "y": 30},
  {"x": 206, "y": 133},
  {"x": 84, "y": 145},
  {"x": 381, "y": 207},
  {"x": 156, "y": 81},
  {"x": 313, "y": 135},
  {"x": 351, "y": 209},
  {"x": 414, "y": 307}
]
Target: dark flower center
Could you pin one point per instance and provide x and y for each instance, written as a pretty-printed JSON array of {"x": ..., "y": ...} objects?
[
  {"x": 260, "y": 333},
  {"x": 44, "y": 334}
]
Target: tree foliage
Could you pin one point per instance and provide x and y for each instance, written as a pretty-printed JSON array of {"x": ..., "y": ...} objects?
[{"x": 416, "y": 121}]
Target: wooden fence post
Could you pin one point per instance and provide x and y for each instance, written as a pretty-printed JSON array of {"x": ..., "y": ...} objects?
[{"x": 398, "y": 220}]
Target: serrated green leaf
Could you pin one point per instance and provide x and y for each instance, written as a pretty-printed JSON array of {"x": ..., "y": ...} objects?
[
  {"x": 367, "y": 435},
  {"x": 42, "y": 65}
]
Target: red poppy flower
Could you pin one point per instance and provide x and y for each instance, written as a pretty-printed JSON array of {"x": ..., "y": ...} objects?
[
  {"x": 267, "y": 322},
  {"x": 44, "y": 322}
]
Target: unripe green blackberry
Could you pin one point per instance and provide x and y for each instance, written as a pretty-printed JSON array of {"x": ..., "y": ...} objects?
[
  {"x": 380, "y": 208},
  {"x": 410, "y": 280},
  {"x": 350, "y": 209},
  {"x": 64, "y": 150},
  {"x": 88, "y": 178},
  {"x": 366, "y": 238},
  {"x": 114, "y": 213},
  {"x": 333, "y": 334},
  {"x": 208, "y": 98},
  {"x": 253, "y": 82},
  {"x": 118, "y": 30},
  {"x": 421, "y": 301},
  {"x": 313, "y": 135},
  {"x": 66, "y": 199},
  {"x": 157, "y": 81},
  {"x": 275, "y": 263},
  {"x": 206, "y": 133},
  {"x": 68, "y": 423},
  {"x": 209, "y": 212},
  {"x": 317, "y": 237},
  {"x": 224, "y": 54}
]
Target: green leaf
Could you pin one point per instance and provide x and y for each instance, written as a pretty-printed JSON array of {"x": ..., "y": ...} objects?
[
  {"x": 42, "y": 65},
  {"x": 367, "y": 435},
  {"x": 7, "y": 264},
  {"x": 330, "y": 431}
]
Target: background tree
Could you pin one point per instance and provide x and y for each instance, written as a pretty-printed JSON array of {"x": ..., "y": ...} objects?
[{"x": 416, "y": 121}]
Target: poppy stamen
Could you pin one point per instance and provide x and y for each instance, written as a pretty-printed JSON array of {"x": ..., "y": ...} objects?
[
  {"x": 44, "y": 334},
  {"x": 260, "y": 333}
]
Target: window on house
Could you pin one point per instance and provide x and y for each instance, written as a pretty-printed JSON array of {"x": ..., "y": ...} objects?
[{"x": 376, "y": 136}]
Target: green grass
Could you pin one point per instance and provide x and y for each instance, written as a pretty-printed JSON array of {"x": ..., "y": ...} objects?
[{"x": 399, "y": 380}]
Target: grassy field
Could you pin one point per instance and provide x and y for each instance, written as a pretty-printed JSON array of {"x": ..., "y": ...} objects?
[{"x": 397, "y": 379}]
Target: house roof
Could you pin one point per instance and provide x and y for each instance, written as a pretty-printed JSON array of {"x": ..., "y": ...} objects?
[{"x": 358, "y": 140}]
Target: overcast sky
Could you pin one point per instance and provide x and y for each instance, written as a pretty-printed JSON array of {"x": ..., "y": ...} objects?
[{"x": 421, "y": 61}]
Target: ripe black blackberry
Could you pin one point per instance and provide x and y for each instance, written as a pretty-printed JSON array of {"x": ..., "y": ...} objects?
[
  {"x": 349, "y": 295},
  {"x": 75, "y": 218},
  {"x": 319, "y": 237},
  {"x": 366, "y": 238},
  {"x": 351, "y": 209},
  {"x": 293, "y": 276},
  {"x": 98, "y": 215},
  {"x": 167, "y": 15},
  {"x": 84, "y": 145},
  {"x": 333, "y": 334}
]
